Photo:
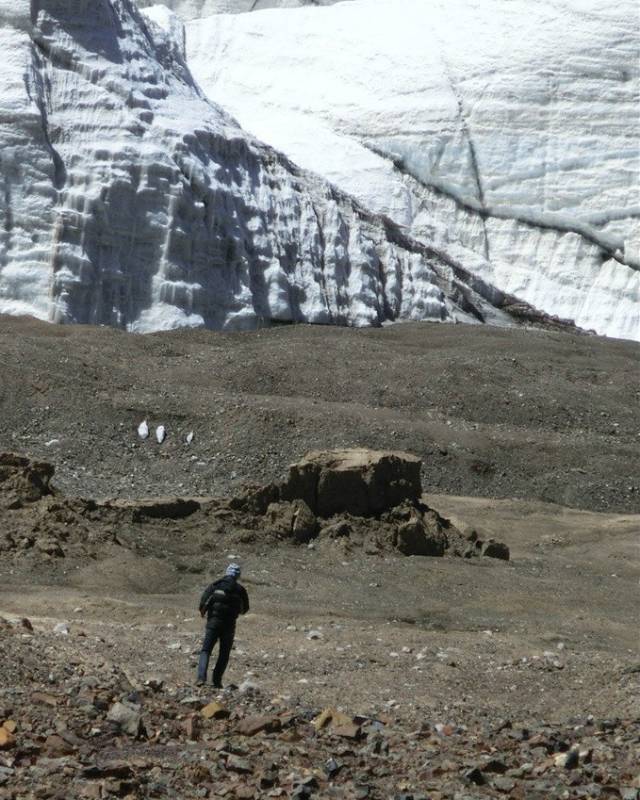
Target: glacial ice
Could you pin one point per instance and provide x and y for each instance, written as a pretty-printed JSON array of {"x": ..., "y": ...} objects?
[
  {"x": 129, "y": 199},
  {"x": 503, "y": 132},
  {"x": 194, "y": 9}
]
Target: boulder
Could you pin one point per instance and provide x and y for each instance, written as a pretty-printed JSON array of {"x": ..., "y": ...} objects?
[
  {"x": 127, "y": 717},
  {"x": 493, "y": 549},
  {"x": 360, "y": 481},
  {"x": 417, "y": 538},
  {"x": 292, "y": 520},
  {"x": 23, "y": 480}
]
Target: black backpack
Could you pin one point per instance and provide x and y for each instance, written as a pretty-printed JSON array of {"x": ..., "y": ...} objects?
[{"x": 223, "y": 602}]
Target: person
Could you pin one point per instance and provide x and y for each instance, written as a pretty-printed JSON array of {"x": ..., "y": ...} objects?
[{"x": 221, "y": 602}]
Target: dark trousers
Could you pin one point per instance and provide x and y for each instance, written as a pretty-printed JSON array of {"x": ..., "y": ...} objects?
[{"x": 216, "y": 630}]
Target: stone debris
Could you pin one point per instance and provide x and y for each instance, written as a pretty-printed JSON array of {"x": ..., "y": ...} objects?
[
  {"x": 23, "y": 481},
  {"x": 98, "y": 737}
]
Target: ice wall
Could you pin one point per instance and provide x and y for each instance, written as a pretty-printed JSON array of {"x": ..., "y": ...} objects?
[
  {"x": 503, "y": 131},
  {"x": 128, "y": 199},
  {"x": 193, "y": 9}
]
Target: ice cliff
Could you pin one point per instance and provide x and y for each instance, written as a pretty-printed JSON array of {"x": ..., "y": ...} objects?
[
  {"x": 128, "y": 199},
  {"x": 503, "y": 132},
  {"x": 193, "y": 9}
]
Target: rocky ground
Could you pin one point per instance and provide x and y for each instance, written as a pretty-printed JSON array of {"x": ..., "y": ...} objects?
[
  {"x": 492, "y": 413},
  {"x": 82, "y": 724},
  {"x": 360, "y": 671}
]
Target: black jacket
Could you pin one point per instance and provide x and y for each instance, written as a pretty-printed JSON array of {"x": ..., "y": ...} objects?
[{"x": 224, "y": 600}]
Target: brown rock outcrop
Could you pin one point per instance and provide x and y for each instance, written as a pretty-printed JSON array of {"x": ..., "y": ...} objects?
[{"x": 360, "y": 481}]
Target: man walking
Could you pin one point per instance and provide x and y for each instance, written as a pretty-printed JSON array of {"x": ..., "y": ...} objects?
[{"x": 221, "y": 602}]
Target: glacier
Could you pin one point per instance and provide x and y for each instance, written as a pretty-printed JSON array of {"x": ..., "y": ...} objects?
[
  {"x": 503, "y": 133},
  {"x": 194, "y": 9},
  {"x": 127, "y": 198}
]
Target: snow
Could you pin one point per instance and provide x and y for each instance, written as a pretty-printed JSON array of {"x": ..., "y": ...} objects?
[
  {"x": 129, "y": 199},
  {"x": 503, "y": 132},
  {"x": 194, "y": 9}
]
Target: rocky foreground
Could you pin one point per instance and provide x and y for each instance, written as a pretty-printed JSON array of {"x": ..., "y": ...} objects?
[{"x": 77, "y": 724}]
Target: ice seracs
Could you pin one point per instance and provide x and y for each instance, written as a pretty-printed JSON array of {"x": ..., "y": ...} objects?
[
  {"x": 503, "y": 132},
  {"x": 129, "y": 199}
]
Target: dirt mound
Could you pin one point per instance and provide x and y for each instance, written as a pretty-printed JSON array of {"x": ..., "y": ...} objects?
[
  {"x": 351, "y": 500},
  {"x": 40, "y": 523},
  {"x": 361, "y": 498}
]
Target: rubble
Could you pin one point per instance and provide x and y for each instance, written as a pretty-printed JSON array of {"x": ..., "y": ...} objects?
[
  {"x": 79, "y": 719},
  {"x": 359, "y": 498},
  {"x": 255, "y": 747},
  {"x": 108, "y": 726}
]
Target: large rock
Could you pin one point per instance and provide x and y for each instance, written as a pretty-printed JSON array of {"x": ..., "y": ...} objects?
[
  {"x": 22, "y": 480},
  {"x": 360, "y": 481},
  {"x": 292, "y": 520},
  {"x": 415, "y": 538}
]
